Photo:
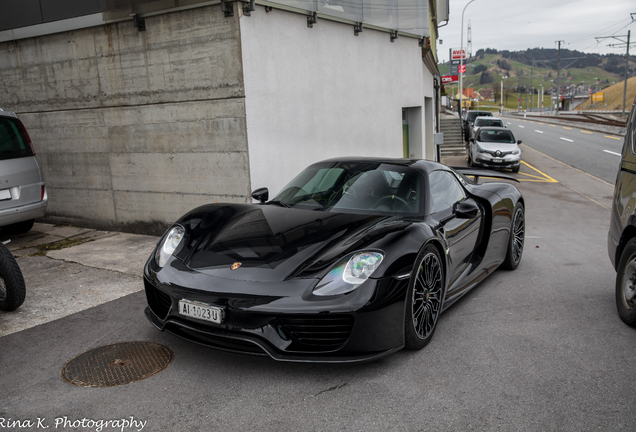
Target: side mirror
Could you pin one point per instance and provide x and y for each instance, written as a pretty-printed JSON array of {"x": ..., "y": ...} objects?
[
  {"x": 467, "y": 209},
  {"x": 261, "y": 194},
  {"x": 519, "y": 142}
]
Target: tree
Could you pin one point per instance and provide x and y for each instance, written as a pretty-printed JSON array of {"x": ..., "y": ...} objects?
[
  {"x": 504, "y": 64},
  {"x": 478, "y": 69},
  {"x": 496, "y": 91},
  {"x": 486, "y": 77}
]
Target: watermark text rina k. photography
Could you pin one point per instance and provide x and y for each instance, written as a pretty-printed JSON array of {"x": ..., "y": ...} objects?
[{"x": 65, "y": 423}]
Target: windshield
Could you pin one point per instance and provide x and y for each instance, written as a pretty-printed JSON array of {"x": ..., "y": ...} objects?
[
  {"x": 498, "y": 136},
  {"x": 474, "y": 114},
  {"x": 349, "y": 186},
  {"x": 484, "y": 121}
]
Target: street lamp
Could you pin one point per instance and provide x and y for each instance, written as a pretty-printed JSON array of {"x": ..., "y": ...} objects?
[
  {"x": 461, "y": 50},
  {"x": 541, "y": 108}
]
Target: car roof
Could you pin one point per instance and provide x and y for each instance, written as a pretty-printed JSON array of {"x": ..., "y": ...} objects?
[
  {"x": 491, "y": 118},
  {"x": 422, "y": 165},
  {"x": 499, "y": 128}
]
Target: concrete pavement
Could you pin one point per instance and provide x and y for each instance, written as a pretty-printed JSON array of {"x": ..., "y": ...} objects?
[{"x": 69, "y": 269}]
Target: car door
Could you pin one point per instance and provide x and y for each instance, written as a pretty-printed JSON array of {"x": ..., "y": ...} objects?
[{"x": 460, "y": 232}]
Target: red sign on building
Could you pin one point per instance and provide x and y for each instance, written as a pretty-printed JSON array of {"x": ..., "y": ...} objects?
[
  {"x": 448, "y": 79},
  {"x": 458, "y": 54}
]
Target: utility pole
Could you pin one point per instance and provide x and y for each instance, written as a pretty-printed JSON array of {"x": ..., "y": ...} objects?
[
  {"x": 626, "y": 44},
  {"x": 462, "y": 61},
  {"x": 626, "y": 70},
  {"x": 558, "y": 97}
]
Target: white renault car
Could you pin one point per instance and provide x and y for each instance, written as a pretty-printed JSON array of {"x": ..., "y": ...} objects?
[
  {"x": 23, "y": 196},
  {"x": 494, "y": 147}
]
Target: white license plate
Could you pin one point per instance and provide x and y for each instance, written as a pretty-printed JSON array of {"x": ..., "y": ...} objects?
[
  {"x": 5, "y": 194},
  {"x": 497, "y": 160},
  {"x": 201, "y": 311}
]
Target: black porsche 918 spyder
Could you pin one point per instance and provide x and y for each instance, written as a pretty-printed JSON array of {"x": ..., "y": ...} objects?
[{"x": 355, "y": 259}]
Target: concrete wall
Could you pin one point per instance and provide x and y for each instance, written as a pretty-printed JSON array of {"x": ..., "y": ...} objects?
[
  {"x": 133, "y": 129},
  {"x": 321, "y": 92}
]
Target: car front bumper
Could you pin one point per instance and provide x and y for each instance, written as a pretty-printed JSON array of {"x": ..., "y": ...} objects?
[
  {"x": 507, "y": 162},
  {"x": 365, "y": 325}
]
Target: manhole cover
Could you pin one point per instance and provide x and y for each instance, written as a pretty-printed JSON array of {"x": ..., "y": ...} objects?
[{"x": 117, "y": 364}]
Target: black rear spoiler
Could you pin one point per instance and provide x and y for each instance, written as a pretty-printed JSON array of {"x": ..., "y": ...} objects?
[{"x": 483, "y": 172}]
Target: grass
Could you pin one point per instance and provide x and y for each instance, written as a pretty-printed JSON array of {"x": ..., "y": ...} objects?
[
  {"x": 613, "y": 97},
  {"x": 62, "y": 244}
]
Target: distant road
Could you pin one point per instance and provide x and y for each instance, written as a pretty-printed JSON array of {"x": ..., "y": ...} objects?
[{"x": 596, "y": 153}]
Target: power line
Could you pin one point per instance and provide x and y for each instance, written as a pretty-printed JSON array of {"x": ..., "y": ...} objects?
[{"x": 626, "y": 44}]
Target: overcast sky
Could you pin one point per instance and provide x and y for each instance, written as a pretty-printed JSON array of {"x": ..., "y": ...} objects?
[{"x": 518, "y": 25}]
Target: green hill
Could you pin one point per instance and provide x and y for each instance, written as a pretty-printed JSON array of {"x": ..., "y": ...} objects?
[{"x": 521, "y": 76}]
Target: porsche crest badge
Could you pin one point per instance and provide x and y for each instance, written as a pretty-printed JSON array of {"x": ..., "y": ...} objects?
[{"x": 235, "y": 266}]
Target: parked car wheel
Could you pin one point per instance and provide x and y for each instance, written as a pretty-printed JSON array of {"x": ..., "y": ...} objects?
[
  {"x": 12, "y": 288},
  {"x": 425, "y": 298},
  {"x": 18, "y": 228},
  {"x": 626, "y": 284},
  {"x": 516, "y": 169},
  {"x": 516, "y": 239}
]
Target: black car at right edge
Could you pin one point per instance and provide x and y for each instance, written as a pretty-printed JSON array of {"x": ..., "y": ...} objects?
[{"x": 621, "y": 241}]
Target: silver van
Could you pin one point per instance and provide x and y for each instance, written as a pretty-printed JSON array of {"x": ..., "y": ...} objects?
[{"x": 23, "y": 196}]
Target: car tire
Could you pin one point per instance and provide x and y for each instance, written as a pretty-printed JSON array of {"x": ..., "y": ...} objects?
[
  {"x": 425, "y": 298},
  {"x": 19, "y": 227},
  {"x": 12, "y": 288},
  {"x": 625, "y": 284},
  {"x": 516, "y": 169},
  {"x": 516, "y": 238}
]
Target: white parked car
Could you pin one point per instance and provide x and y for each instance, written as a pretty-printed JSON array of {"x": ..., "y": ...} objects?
[{"x": 494, "y": 147}]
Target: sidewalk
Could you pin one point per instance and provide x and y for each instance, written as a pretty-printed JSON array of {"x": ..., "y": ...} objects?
[{"x": 70, "y": 269}]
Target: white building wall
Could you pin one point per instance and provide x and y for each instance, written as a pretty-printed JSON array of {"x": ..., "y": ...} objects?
[{"x": 321, "y": 92}]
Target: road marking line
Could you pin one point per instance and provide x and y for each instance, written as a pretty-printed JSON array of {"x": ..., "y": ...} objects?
[
  {"x": 565, "y": 139},
  {"x": 587, "y": 132},
  {"x": 611, "y": 152},
  {"x": 546, "y": 178},
  {"x": 552, "y": 125},
  {"x": 541, "y": 123},
  {"x": 522, "y": 126},
  {"x": 608, "y": 136},
  {"x": 509, "y": 123},
  {"x": 538, "y": 131},
  {"x": 530, "y": 121},
  {"x": 567, "y": 128},
  {"x": 575, "y": 169}
]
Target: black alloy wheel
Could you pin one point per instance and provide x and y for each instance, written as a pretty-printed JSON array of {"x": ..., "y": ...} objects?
[
  {"x": 424, "y": 298},
  {"x": 626, "y": 284},
  {"x": 517, "y": 238}
]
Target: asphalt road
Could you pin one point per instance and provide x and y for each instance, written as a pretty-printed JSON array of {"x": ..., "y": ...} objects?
[
  {"x": 596, "y": 153},
  {"x": 540, "y": 348}
]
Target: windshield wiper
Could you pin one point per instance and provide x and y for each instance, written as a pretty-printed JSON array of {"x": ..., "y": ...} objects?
[{"x": 279, "y": 203}]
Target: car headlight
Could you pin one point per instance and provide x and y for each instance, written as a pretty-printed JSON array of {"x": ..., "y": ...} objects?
[
  {"x": 168, "y": 245},
  {"x": 479, "y": 149},
  {"x": 349, "y": 274},
  {"x": 516, "y": 152}
]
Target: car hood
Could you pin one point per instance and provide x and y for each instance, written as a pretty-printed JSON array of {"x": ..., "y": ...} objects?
[
  {"x": 491, "y": 146},
  {"x": 272, "y": 243}
]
